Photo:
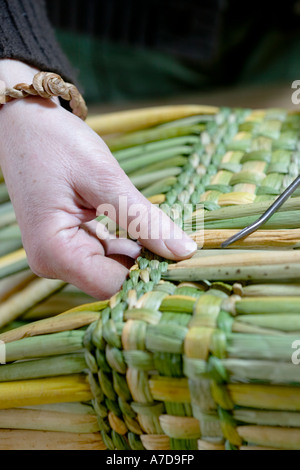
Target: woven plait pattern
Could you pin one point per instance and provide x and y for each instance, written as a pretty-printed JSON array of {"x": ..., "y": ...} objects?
[
  {"x": 241, "y": 157},
  {"x": 186, "y": 367}
]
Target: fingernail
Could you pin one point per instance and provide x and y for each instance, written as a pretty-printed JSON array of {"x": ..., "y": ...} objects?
[{"x": 181, "y": 247}]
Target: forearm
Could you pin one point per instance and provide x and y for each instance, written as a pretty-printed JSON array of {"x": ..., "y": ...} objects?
[{"x": 13, "y": 72}]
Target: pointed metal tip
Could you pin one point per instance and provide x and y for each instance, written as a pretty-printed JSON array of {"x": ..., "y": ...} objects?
[
  {"x": 229, "y": 241},
  {"x": 224, "y": 245},
  {"x": 266, "y": 215}
]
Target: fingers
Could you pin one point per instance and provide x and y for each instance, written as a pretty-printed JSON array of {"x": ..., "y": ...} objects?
[
  {"x": 78, "y": 258},
  {"x": 157, "y": 232},
  {"x": 122, "y": 246},
  {"x": 113, "y": 245},
  {"x": 111, "y": 192}
]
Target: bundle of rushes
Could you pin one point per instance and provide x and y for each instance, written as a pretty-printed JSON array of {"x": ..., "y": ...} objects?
[{"x": 199, "y": 354}]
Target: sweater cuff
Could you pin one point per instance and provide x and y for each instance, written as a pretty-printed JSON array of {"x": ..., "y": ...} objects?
[{"x": 26, "y": 35}]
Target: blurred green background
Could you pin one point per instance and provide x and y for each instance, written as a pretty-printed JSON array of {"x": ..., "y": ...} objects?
[{"x": 256, "y": 45}]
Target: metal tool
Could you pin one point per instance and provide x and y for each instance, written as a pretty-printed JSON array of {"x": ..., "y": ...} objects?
[{"x": 266, "y": 215}]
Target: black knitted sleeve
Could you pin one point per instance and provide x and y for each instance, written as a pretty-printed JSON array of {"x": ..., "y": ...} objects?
[{"x": 27, "y": 35}]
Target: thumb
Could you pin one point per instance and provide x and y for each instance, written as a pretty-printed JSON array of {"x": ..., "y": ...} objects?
[
  {"x": 114, "y": 195},
  {"x": 148, "y": 224}
]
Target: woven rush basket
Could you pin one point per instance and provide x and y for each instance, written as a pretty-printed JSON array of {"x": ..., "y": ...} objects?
[{"x": 195, "y": 355}]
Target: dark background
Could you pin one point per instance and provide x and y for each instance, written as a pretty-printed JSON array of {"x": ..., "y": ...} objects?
[{"x": 129, "y": 50}]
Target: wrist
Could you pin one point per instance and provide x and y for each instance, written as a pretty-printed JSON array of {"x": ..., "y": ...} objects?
[
  {"x": 13, "y": 72},
  {"x": 42, "y": 84}
]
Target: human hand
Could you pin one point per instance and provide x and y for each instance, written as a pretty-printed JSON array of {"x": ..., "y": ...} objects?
[{"x": 58, "y": 172}]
